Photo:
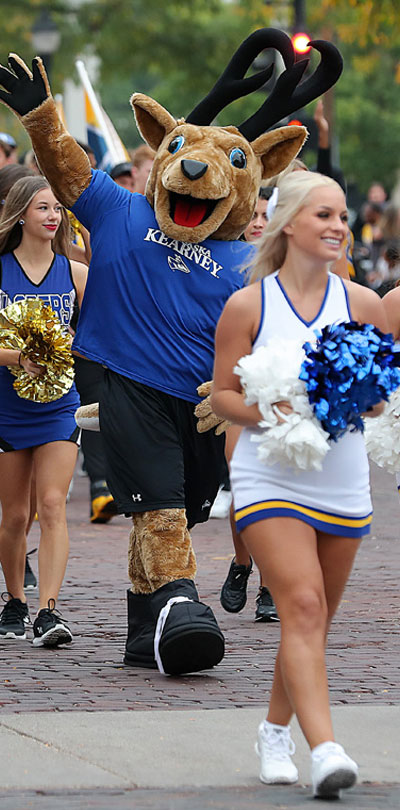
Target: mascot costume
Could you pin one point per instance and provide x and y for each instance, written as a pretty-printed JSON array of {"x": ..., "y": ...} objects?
[{"x": 163, "y": 266}]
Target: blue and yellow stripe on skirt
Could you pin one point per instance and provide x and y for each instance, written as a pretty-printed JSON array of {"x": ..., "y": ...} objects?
[{"x": 328, "y": 522}]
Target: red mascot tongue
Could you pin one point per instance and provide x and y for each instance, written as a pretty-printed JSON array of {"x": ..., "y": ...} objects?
[{"x": 189, "y": 212}]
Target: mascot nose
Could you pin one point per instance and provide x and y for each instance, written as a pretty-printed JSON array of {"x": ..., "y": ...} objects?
[{"x": 193, "y": 169}]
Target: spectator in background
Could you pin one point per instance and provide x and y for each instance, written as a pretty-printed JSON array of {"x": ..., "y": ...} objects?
[
  {"x": 9, "y": 174},
  {"x": 260, "y": 218},
  {"x": 90, "y": 153},
  {"x": 142, "y": 160},
  {"x": 375, "y": 194},
  {"x": 8, "y": 149},
  {"x": 29, "y": 160},
  {"x": 122, "y": 174}
]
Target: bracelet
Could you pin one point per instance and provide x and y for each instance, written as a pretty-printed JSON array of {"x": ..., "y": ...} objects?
[{"x": 19, "y": 360}]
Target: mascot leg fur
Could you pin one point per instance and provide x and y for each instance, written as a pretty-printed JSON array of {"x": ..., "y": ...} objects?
[{"x": 168, "y": 626}]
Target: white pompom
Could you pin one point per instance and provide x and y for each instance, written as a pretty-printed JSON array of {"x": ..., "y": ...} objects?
[
  {"x": 382, "y": 435},
  {"x": 270, "y": 375}
]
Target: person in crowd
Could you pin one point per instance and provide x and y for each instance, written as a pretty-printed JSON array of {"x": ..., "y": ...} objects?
[
  {"x": 9, "y": 175},
  {"x": 387, "y": 271},
  {"x": 324, "y": 157},
  {"x": 29, "y": 160},
  {"x": 376, "y": 194},
  {"x": 122, "y": 174},
  {"x": 8, "y": 149},
  {"x": 305, "y": 545},
  {"x": 35, "y": 436},
  {"x": 391, "y": 301},
  {"x": 142, "y": 162},
  {"x": 90, "y": 153}
]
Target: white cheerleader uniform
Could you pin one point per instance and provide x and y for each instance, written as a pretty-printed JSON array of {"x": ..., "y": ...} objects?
[{"x": 335, "y": 500}]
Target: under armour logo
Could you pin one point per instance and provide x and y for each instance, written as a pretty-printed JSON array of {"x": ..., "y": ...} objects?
[
  {"x": 137, "y": 497},
  {"x": 176, "y": 263}
]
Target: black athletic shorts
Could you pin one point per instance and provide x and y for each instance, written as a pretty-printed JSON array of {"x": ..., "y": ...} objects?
[{"x": 155, "y": 457}]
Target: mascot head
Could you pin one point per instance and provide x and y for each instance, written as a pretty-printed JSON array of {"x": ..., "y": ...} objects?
[{"x": 205, "y": 179}]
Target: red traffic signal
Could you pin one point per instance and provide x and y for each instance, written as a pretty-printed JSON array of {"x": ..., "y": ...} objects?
[{"x": 301, "y": 43}]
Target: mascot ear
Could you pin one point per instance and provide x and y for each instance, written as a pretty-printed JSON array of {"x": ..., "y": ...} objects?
[
  {"x": 278, "y": 148},
  {"x": 153, "y": 120}
]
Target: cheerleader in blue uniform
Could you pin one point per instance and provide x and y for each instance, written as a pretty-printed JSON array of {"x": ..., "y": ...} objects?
[
  {"x": 302, "y": 528},
  {"x": 35, "y": 437}
]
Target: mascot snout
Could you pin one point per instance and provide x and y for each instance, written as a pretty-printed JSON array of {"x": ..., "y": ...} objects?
[{"x": 193, "y": 169}]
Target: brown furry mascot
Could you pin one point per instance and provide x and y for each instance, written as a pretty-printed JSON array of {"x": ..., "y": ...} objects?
[{"x": 163, "y": 267}]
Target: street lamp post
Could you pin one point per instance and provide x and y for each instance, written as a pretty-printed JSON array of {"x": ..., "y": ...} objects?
[
  {"x": 45, "y": 39},
  {"x": 299, "y": 16}
]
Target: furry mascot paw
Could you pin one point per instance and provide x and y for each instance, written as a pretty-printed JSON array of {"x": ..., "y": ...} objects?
[
  {"x": 163, "y": 300},
  {"x": 207, "y": 419},
  {"x": 87, "y": 417}
]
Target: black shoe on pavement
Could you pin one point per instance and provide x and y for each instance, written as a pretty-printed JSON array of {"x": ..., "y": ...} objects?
[
  {"x": 14, "y": 617},
  {"x": 49, "y": 629},
  {"x": 30, "y": 581},
  {"x": 265, "y": 610},
  {"x": 234, "y": 590}
]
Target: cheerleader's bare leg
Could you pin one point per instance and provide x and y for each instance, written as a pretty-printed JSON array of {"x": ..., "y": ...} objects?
[
  {"x": 306, "y": 572},
  {"x": 54, "y": 466},
  {"x": 15, "y": 488}
]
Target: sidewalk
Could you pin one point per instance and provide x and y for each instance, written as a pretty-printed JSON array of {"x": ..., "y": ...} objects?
[{"x": 78, "y": 729}]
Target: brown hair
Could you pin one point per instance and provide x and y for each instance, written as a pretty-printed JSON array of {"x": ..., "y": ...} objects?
[{"x": 18, "y": 200}]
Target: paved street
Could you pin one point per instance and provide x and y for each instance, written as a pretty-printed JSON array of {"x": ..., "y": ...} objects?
[{"x": 61, "y": 708}]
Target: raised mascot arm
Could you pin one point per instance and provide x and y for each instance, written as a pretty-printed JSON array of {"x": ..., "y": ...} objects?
[{"x": 61, "y": 160}]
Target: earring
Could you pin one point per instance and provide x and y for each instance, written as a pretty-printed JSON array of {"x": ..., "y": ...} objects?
[{"x": 21, "y": 222}]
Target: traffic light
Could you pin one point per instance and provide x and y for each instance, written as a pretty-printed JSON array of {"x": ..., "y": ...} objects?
[{"x": 300, "y": 42}]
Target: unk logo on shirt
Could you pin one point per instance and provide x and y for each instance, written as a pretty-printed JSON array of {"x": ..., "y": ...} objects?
[
  {"x": 176, "y": 263},
  {"x": 62, "y": 305}
]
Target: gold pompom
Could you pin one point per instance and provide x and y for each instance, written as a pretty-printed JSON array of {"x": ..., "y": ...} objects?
[{"x": 32, "y": 327}]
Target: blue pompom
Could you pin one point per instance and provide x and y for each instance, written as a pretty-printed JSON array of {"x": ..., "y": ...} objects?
[{"x": 350, "y": 369}]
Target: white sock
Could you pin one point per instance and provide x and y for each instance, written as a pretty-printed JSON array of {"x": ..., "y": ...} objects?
[
  {"x": 319, "y": 749},
  {"x": 268, "y": 727}
]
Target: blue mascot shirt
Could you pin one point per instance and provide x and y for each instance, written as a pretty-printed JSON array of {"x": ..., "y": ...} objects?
[{"x": 151, "y": 303}]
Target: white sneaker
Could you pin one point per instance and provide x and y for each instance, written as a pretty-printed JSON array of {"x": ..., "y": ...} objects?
[
  {"x": 221, "y": 505},
  {"x": 331, "y": 770},
  {"x": 274, "y": 748}
]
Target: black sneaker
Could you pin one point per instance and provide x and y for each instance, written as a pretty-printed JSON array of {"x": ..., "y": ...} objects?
[
  {"x": 30, "y": 581},
  {"x": 233, "y": 593},
  {"x": 14, "y": 617},
  {"x": 49, "y": 629},
  {"x": 265, "y": 610}
]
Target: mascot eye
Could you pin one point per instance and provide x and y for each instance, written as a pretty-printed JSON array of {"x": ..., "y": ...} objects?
[
  {"x": 176, "y": 144},
  {"x": 238, "y": 158}
]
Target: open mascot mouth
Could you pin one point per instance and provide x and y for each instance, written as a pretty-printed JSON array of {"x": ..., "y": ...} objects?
[{"x": 190, "y": 211}]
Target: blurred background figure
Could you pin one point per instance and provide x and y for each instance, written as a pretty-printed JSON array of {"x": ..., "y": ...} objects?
[
  {"x": 90, "y": 153},
  {"x": 142, "y": 161},
  {"x": 122, "y": 174},
  {"x": 8, "y": 149},
  {"x": 29, "y": 160}
]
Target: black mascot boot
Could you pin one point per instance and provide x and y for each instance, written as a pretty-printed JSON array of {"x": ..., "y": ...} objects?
[
  {"x": 139, "y": 650},
  {"x": 171, "y": 629}
]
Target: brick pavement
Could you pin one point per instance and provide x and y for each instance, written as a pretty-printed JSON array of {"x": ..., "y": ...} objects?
[
  {"x": 363, "y": 797},
  {"x": 363, "y": 652}
]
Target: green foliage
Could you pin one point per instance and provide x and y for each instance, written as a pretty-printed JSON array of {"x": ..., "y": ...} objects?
[{"x": 175, "y": 51}]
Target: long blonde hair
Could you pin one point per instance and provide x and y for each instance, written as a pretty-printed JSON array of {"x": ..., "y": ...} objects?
[
  {"x": 17, "y": 201},
  {"x": 293, "y": 192}
]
